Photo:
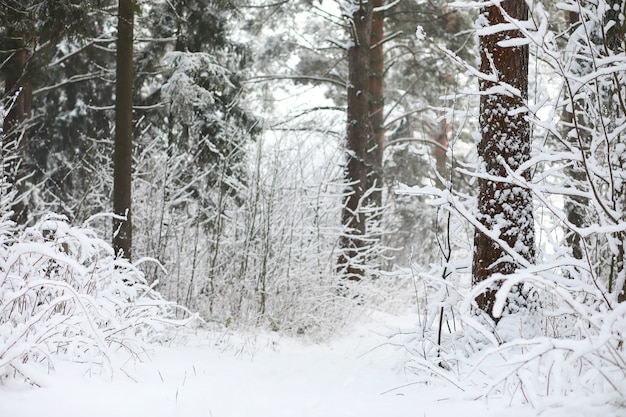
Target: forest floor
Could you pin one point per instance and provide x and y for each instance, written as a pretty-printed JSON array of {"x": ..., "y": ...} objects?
[{"x": 236, "y": 374}]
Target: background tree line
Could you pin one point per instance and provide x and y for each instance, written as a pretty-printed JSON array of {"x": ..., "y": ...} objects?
[
  {"x": 87, "y": 81},
  {"x": 257, "y": 205}
]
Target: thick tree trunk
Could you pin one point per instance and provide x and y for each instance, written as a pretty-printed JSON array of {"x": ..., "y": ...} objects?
[
  {"x": 505, "y": 142},
  {"x": 359, "y": 136},
  {"x": 122, "y": 237}
]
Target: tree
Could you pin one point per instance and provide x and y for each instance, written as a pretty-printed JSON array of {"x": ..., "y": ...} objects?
[
  {"x": 17, "y": 89},
  {"x": 593, "y": 114},
  {"x": 326, "y": 64},
  {"x": 30, "y": 32},
  {"x": 73, "y": 118},
  {"x": 122, "y": 226},
  {"x": 506, "y": 239},
  {"x": 420, "y": 81},
  {"x": 358, "y": 138},
  {"x": 193, "y": 78},
  {"x": 377, "y": 104}
]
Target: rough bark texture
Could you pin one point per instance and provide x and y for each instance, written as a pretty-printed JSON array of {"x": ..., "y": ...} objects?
[
  {"x": 15, "y": 137},
  {"x": 122, "y": 238},
  {"x": 359, "y": 135},
  {"x": 376, "y": 105},
  {"x": 505, "y": 143}
]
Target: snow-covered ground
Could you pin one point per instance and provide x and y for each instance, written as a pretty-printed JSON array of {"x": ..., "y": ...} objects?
[{"x": 228, "y": 374}]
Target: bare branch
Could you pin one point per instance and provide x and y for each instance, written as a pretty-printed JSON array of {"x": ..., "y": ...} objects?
[{"x": 310, "y": 78}]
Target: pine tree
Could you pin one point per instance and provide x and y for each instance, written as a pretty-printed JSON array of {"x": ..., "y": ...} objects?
[
  {"x": 73, "y": 117},
  {"x": 31, "y": 30},
  {"x": 359, "y": 136},
  {"x": 195, "y": 134},
  {"x": 197, "y": 76},
  {"x": 505, "y": 207},
  {"x": 122, "y": 225},
  {"x": 377, "y": 104}
]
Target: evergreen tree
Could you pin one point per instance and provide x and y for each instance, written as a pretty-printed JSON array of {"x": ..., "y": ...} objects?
[
  {"x": 421, "y": 116},
  {"x": 122, "y": 178},
  {"x": 195, "y": 131},
  {"x": 30, "y": 32},
  {"x": 506, "y": 239},
  {"x": 196, "y": 75},
  {"x": 74, "y": 114},
  {"x": 359, "y": 137}
]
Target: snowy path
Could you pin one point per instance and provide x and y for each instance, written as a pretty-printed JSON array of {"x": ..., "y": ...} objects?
[{"x": 265, "y": 377}]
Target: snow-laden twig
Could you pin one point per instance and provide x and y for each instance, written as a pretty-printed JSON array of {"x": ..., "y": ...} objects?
[{"x": 64, "y": 295}]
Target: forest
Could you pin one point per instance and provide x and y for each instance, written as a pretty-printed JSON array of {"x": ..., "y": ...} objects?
[{"x": 293, "y": 166}]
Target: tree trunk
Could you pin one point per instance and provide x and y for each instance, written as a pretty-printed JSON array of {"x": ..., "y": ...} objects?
[
  {"x": 614, "y": 40},
  {"x": 441, "y": 149},
  {"x": 359, "y": 136},
  {"x": 505, "y": 142},
  {"x": 14, "y": 142},
  {"x": 122, "y": 229},
  {"x": 376, "y": 106},
  {"x": 575, "y": 206}
]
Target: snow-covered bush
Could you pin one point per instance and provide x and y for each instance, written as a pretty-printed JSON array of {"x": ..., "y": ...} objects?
[
  {"x": 567, "y": 339},
  {"x": 581, "y": 352},
  {"x": 263, "y": 257},
  {"x": 63, "y": 294},
  {"x": 586, "y": 358}
]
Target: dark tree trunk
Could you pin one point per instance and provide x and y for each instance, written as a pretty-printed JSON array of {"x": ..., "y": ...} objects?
[
  {"x": 122, "y": 237},
  {"x": 18, "y": 89},
  {"x": 505, "y": 142},
  {"x": 575, "y": 206},
  {"x": 376, "y": 105},
  {"x": 359, "y": 136},
  {"x": 614, "y": 41}
]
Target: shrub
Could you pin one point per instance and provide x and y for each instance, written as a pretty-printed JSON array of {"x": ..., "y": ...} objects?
[{"x": 63, "y": 294}]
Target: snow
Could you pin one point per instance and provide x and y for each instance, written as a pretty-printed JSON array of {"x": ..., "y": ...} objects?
[
  {"x": 419, "y": 33},
  {"x": 231, "y": 374}
]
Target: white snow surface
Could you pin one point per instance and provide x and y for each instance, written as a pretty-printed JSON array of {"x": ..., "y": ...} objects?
[{"x": 233, "y": 374}]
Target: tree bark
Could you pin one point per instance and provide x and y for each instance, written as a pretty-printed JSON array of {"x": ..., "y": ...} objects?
[
  {"x": 15, "y": 137},
  {"x": 358, "y": 137},
  {"x": 575, "y": 206},
  {"x": 505, "y": 142},
  {"x": 376, "y": 105},
  {"x": 122, "y": 229},
  {"x": 614, "y": 40}
]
